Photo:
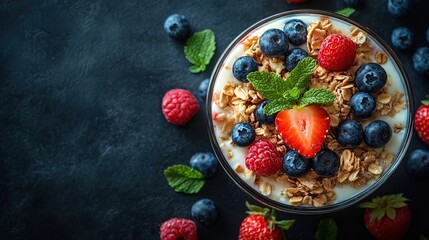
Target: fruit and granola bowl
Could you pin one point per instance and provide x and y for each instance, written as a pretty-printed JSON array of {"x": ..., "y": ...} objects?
[{"x": 309, "y": 112}]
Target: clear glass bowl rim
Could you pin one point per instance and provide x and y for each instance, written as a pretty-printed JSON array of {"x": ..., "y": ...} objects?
[{"x": 307, "y": 210}]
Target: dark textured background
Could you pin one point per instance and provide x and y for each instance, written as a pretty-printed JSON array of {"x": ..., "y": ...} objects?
[{"x": 83, "y": 142}]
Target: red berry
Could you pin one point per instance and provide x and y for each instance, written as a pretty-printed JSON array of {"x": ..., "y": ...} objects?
[
  {"x": 263, "y": 158},
  {"x": 255, "y": 227},
  {"x": 303, "y": 129},
  {"x": 179, "y": 106},
  {"x": 178, "y": 228},
  {"x": 337, "y": 53},
  {"x": 421, "y": 123}
]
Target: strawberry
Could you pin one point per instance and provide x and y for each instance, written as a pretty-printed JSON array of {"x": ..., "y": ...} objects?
[
  {"x": 387, "y": 217},
  {"x": 303, "y": 128},
  {"x": 261, "y": 224},
  {"x": 421, "y": 121},
  {"x": 337, "y": 53}
]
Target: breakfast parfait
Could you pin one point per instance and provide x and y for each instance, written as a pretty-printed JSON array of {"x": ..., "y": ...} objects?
[{"x": 309, "y": 110}]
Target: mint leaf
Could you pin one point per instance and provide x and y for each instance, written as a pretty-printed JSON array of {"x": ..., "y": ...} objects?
[
  {"x": 346, "y": 12},
  {"x": 184, "y": 179},
  {"x": 277, "y": 105},
  {"x": 269, "y": 84},
  {"x": 326, "y": 230},
  {"x": 300, "y": 75},
  {"x": 318, "y": 96},
  {"x": 199, "y": 50}
]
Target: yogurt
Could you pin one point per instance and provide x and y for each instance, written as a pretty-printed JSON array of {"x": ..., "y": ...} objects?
[{"x": 234, "y": 155}]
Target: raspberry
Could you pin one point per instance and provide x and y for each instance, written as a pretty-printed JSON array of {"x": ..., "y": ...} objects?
[
  {"x": 337, "y": 53},
  {"x": 179, "y": 106},
  {"x": 263, "y": 158},
  {"x": 178, "y": 228}
]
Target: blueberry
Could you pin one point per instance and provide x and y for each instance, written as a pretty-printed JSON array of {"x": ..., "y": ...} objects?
[
  {"x": 418, "y": 163},
  {"x": 352, "y": 3},
  {"x": 243, "y": 66},
  {"x": 293, "y": 56},
  {"x": 326, "y": 163},
  {"x": 202, "y": 89},
  {"x": 204, "y": 162},
  {"x": 377, "y": 134},
  {"x": 274, "y": 43},
  {"x": 260, "y": 115},
  {"x": 295, "y": 165},
  {"x": 204, "y": 211},
  {"x": 362, "y": 105},
  {"x": 350, "y": 133},
  {"x": 177, "y": 26},
  {"x": 243, "y": 134},
  {"x": 402, "y": 38},
  {"x": 296, "y": 31},
  {"x": 398, "y": 8},
  {"x": 421, "y": 60},
  {"x": 370, "y": 77}
]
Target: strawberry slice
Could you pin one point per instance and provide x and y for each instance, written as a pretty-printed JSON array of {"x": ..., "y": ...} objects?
[{"x": 304, "y": 129}]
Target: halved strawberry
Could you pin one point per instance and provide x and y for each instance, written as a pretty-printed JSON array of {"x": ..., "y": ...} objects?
[{"x": 303, "y": 128}]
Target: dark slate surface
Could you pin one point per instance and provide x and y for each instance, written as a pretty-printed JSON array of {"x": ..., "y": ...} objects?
[{"x": 83, "y": 142}]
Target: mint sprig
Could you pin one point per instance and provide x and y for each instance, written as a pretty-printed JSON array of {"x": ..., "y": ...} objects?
[
  {"x": 184, "y": 179},
  {"x": 285, "y": 94},
  {"x": 326, "y": 230},
  {"x": 346, "y": 12},
  {"x": 199, "y": 50}
]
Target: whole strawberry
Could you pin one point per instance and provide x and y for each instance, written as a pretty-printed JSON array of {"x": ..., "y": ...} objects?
[
  {"x": 387, "y": 217},
  {"x": 421, "y": 121},
  {"x": 178, "y": 228},
  {"x": 179, "y": 106},
  {"x": 261, "y": 224},
  {"x": 263, "y": 158},
  {"x": 337, "y": 53}
]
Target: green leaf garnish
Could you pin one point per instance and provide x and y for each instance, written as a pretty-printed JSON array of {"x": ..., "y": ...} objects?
[
  {"x": 326, "y": 230},
  {"x": 385, "y": 206},
  {"x": 199, "y": 50},
  {"x": 184, "y": 179},
  {"x": 346, "y": 12},
  {"x": 284, "y": 94}
]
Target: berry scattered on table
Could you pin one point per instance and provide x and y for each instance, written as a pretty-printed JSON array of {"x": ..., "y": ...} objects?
[
  {"x": 263, "y": 158},
  {"x": 387, "y": 217},
  {"x": 261, "y": 116},
  {"x": 418, "y": 163},
  {"x": 402, "y": 37},
  {"x": 262, "y": 224},
  {"x": 421, "y": 60},
  {"x": 177, "y": 26},
  {"x": 243, "y": 66},
  {"x": 274, "y": 43},
  {"x": 350, "y": 133},
  {"x": 202, "y": 89},
  {"x": 377, "y": 134},
  {"x": 421, "y": 121},
  {"x": 362, "y": 105},
  {"x": 304, "y": 129},
  {"x": 370, "y": 77},
  {"x": 326, "y": 163},
  {"x": 204, "y": 211},
  {"x": 293, "y": 56},
  {"x": 295, "y": 165},
  {"x": 204, "y": 162},
  {"x": 178, "y": 228},
  {"x": 352, "y": 3},
  {"x": 243, "y": 134},
  {"x": 296, "y": 31},
  {"x": 399, "y": 8},
  {"x": 179, "y": 106},
  {"x": 337, "y": 53}
]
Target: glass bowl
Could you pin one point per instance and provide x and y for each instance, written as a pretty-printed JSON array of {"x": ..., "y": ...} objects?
[{"x": 232, "y": 157}]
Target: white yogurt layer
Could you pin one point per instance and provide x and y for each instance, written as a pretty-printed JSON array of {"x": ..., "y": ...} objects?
[{"x": 225, "y": 75}]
